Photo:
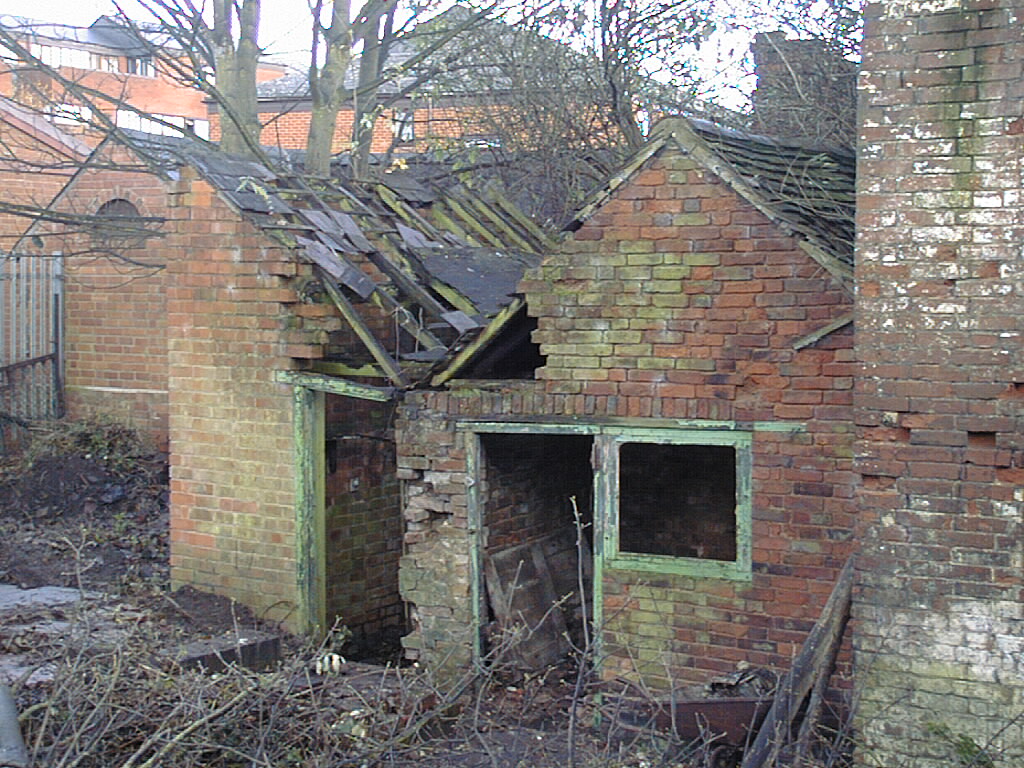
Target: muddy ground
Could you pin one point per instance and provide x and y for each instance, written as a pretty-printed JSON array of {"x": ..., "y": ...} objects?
[{"x": 85, "y": 507}]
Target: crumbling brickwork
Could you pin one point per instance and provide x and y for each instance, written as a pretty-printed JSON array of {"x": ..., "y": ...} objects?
[
  {"x": 676, "y": 303},
  {"x": 940, "y": 395}
]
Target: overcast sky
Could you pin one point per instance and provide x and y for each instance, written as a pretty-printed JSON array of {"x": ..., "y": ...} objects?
[{"x": 282, "y": 28}]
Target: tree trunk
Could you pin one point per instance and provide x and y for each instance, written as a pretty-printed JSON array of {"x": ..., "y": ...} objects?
[
  {"x": 371, "y": 65},
  {"x": 318, "y": 142},
  {"x": 236, "y": 76}
]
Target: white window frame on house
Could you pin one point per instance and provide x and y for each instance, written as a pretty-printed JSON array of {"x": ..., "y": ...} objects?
[
  {"x": 57, "y": 56},
  {"x": 105, "y": 63},
  {"x": 140, "y": 66},
  {"x": 403, "y": 126},
  {"x": 69, "y": 114}
]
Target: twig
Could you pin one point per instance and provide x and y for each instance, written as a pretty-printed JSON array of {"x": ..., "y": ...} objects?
[{"x": 181, "y": 736}]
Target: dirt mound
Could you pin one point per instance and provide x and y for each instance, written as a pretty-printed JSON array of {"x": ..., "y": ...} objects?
[{"x": 85, "y": 506}]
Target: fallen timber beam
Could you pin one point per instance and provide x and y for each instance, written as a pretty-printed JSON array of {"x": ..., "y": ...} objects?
[{"x": 812, "y": 662}]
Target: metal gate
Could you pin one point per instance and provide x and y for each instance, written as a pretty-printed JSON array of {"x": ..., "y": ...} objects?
[{"x": 31, "y": 325}]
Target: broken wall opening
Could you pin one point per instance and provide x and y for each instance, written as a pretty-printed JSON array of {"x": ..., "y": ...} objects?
[
  {"x": 678, "y": 500},
  {"x": 531, "y": 551},
  {"x": 363, "y": 524}
]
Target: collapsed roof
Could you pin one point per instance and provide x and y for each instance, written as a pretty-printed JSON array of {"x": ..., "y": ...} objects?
[{"x": 442, "y": 261}]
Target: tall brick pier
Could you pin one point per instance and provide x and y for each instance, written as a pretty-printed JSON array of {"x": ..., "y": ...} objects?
[{"x": 940, "y": 398}]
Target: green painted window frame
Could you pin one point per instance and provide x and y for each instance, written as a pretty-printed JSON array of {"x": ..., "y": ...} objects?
[{"x": 606, "y": 514}]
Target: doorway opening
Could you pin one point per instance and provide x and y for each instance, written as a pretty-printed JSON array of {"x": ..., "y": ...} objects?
[{"x": 536, "y": 499}]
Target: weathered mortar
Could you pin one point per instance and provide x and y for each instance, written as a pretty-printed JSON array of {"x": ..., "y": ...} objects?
[
  {"x": 939, "y": 398},
  {"x": 676, "y": 301}
]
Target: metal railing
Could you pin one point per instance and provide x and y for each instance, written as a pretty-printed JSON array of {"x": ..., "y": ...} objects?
[{"x": 31, "y": 333}]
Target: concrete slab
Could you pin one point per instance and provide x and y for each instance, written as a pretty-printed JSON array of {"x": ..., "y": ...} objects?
[{"x": 12, "y": 597}]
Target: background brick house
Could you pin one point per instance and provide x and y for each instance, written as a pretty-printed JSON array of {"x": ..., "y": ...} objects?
[{"x": 123, "y": 64}]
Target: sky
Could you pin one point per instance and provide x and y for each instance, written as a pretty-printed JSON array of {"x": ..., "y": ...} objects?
[{"x": 282, "y": 28}]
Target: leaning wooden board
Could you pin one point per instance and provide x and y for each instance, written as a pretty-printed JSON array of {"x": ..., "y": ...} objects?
[
  {"x": 814, "y": 660},
  {"x": 524, "y": 600}
]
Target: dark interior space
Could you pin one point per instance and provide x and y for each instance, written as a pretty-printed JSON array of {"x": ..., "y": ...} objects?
[
  {"x": 678, "y": 500},
  {"x": 512, "y": 354},
  {"x": 364, "y": 527},
  {"x": 532, "y": 556}
]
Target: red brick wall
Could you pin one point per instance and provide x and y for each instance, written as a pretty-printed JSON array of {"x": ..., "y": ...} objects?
[
  {"x": 363, "y": 519},
  {"x": 940, "y": 396},
  {"x": 433, "y": 125},
  {"x": 115, "y": 310},
  {"x": 675, "y": 301},
  {"x": 231, "y": 424},
  {"x": 34, "y": 167}
]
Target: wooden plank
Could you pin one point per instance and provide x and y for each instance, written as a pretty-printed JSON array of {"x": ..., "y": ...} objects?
[
  {"x": 808, "y": 666},
  {"x": 336, "y": 368},
  {"x": 524, "y": 600},
  {"x": 825, "y": 330},
  {"x": 493, "y": 329},
  {"x": 487, "y": 212},
  {"x": 483, "y": 233},
  {"x": 406, "y": 320},
  {"x": 544, "y": 243},
  {"x": 310, "y": 530},
  {"x": 453, "y": 297},
  {"x": 321, "y": 383},
  {"x": 372, "y": 343}
]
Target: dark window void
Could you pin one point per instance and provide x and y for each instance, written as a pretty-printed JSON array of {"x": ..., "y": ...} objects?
[
  {"x": 118, "y": 208},
  {"x": 678, "y": 500}
]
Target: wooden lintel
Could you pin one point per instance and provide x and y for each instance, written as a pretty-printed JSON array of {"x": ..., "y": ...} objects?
[
  {"x": 372, "y": 343},
  {"x": 336, "y": 368},
  {"x": 814, "y": 336},
  {"x": 335, "y": 386}
]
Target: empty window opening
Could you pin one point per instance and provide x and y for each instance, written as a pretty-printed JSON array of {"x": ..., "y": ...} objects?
[
  {"x": 532, "y": 558},
  {"x": 118, "y": 208},
  {"x": 678, "y": 500}
]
